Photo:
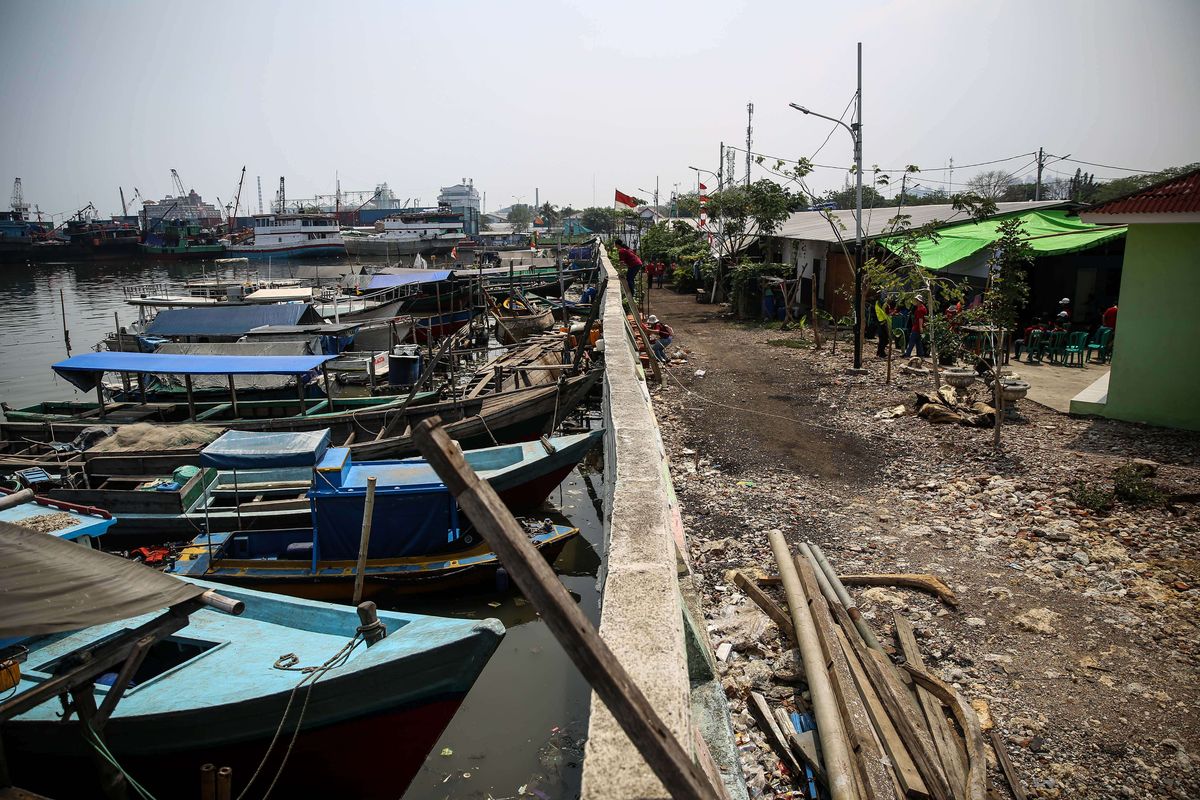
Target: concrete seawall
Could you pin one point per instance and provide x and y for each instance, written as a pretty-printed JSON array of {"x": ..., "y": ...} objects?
[{"x": 650, "y": 613}]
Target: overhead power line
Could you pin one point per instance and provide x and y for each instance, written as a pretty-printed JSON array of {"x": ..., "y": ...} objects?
[{"x": 1110, "y": 166}]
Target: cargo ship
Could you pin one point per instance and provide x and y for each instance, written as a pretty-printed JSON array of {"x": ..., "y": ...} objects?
[
  {"x": 290, "y": 235},
  {"x": 426, "y": 230}
]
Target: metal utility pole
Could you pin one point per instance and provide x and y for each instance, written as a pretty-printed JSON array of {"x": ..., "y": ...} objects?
[
  {"x": 749, "y": 137},
  {"x": 721, "y": 168},
  {"x": 858, "y": 231},
  {"x": 950, "y": 179},
  {"x": 1037, "y": 191},
  {"x": 124, "y": 210}
]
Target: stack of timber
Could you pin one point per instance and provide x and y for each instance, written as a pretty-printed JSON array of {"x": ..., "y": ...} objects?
[
  {"x": 885, "y": 727},
  {"x": 536, "y": 361}
]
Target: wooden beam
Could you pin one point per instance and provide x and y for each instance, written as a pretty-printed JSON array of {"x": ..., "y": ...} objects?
[
  {"x": 925, "y": 583},
  {"x": 664, "y": 754},
  {"x": 878, "y": 780},
  {"x": 191, "y": 397},
  {"x": 1006, "y": 765},
  {"x": 935, "y": 717},
  {"x": 769, "y": 606},
  {"x": 769, "y": 726},
  {"x": 968, "y": 720}
]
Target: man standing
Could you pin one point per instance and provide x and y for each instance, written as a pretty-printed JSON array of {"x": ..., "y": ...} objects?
[
  {"x": 1109, "y": 318},
  {"x": 631, "y": 262},
  {"x": 915, "y": 335}
]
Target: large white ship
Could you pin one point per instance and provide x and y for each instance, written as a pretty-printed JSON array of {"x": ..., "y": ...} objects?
[
  {"x": 427, "y": 230},
  {"x": 289, "y": 235}
]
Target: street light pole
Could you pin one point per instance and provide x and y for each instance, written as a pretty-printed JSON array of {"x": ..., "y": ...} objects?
[
  {"x": 858, "y": 236},
  {"x": 855, "y": 131}
]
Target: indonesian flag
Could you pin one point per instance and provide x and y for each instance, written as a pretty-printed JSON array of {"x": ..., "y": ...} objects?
[
  {"x": 703, "y": 187},
  {"x": 624, "y": 199},
  {"x": 703, "y": 198}
]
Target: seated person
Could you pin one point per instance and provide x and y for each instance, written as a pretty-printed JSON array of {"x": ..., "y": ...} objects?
[
  {"x": 663, "y": 336},
  {"x": 1038, "y": 325}
]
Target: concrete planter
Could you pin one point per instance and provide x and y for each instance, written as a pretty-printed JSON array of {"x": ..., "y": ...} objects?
[{"x": 959, "y": 377}]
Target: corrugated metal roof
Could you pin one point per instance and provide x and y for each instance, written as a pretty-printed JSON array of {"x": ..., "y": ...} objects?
[
  {"x": 1180, "y": 195},
  {"x": 813, "y": 225}
]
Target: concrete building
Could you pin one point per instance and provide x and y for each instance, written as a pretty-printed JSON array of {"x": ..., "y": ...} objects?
[
  {"x": 463, "y": 199},
  {"x": 1155, "y": 375}
]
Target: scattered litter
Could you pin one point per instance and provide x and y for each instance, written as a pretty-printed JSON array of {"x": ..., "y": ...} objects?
[
  {"x": 892, "y": 413},
  {"x": 494, "y": 604},
  {"x": 746, "y": 484},
  {"x": 447, "y": 752},
  {"x": 723, "y": 650},
  {"x": 699, "y": 373}
]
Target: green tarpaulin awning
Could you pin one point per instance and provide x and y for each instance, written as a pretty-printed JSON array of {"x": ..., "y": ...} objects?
[{"x": 1047, "y": 232}]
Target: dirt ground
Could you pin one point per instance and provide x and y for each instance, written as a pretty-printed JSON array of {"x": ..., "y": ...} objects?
[{"x": 1076, "y": 628}]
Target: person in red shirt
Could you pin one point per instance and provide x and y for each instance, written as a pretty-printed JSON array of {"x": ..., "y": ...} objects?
[
  {"x": 631, "y": 261},
  {"x": 916, "y": 333},
  {"x": 663, "y": 336},
  {"x": 1019, "y": 344},
  {"x": 1109, "y": 318}
]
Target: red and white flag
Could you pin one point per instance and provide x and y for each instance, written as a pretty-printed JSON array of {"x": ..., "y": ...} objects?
[
  {"x": 703, "y": 187},
  {"x": 454, "y": 252},
  {"x": 624, "y": 199}
]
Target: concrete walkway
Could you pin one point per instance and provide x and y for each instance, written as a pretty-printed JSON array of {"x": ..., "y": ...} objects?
[{"x": 1053, "y": 385}]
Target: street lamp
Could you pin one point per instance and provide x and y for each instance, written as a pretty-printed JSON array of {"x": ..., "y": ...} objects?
[
  {"x": 855, "y": 131},
  {"x": 697, "y": 170}
]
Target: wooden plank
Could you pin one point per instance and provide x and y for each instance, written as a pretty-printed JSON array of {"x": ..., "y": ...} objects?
[
  {"x": 766, "y": 720},
  {"x": 968, "y": 720},
  {"x": 935, "y": 717},
  {"x": 664, "y": 754},
  {"x": 1006, "y": 765},
  {"x": 925, "y": 583},
  {"x": 877, "y": 781},
  {"x": 804, "y": 745},
  {"x": 900, "y": 707},
  {"x": 769, "y": 606},
  {"x": 906, "y": 771},
  {"x": 704, "y": 756}
]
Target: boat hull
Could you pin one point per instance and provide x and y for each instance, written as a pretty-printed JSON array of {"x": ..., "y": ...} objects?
[
  {"x": 366, "y": 246},
  {"x": 286, "y": 250},
  {"x": 510, "y": 330}
]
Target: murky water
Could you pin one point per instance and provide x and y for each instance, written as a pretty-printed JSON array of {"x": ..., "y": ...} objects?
[{"x": 522, "y": 725}]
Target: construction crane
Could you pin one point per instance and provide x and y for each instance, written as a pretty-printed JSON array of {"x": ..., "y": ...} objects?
[
  {"x": 237, "y": 199},
  {"x": 280, "y": 197},
  {"x": 260, "y": 205},
  {"x": 178, "y": 183}
]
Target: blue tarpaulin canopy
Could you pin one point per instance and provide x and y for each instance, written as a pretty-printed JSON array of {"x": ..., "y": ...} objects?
[
  {"x": 265, "y": 450},
  {"x": 228, "y": 320},
  {"x": 393, "y": 278},
  {"x": 84, "y": 370}
]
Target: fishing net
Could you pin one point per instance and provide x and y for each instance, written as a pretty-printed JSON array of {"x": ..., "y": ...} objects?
[{"x": 150, "y": 437}]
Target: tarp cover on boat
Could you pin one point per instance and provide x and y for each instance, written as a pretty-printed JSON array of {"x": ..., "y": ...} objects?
[
  {"x": 228, "y": 321},
  {"x": 396, "y": 277},
  {"x": 266, "y": 449},
  {"x": 48, "y": 584},
  {"x": 84, "y": 370},
  {"x": 1046, "y": 232},
  {"x": 250, "y": 382}
]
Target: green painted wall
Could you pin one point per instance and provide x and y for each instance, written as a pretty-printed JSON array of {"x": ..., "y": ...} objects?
[{"x": 1156, "y": 363}]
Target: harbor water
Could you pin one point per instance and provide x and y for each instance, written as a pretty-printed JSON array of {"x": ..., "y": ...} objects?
[{"x": 522, "y": 726}]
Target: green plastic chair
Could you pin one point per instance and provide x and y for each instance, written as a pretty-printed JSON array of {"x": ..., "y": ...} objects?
[
  {"x": 1055, "y": 346},
  {"x": 1075, "y": 348},
  {"x": 1102, "y": 345},
  {"x": 1033, "y": 348}
]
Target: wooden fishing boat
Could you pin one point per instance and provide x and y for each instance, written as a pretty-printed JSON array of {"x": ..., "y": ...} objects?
[
  {"x": 254, "y": 560},
  {"x": 441, "y": 325},
  {"x": 178, "y": 505},
  {"x": 518, "y": 318},
  {"x": 378, "y": 431},
  {"x": 199, "y": 687}
]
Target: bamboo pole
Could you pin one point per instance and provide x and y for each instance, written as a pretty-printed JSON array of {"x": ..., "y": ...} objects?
[
  {"x": 834, "y": 744},
  {"x": 364, "y": 541},
  {"x": 864, "y": 630}
]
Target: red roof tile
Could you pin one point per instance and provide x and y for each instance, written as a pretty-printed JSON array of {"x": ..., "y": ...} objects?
[{"x": 1178, "y": 195}]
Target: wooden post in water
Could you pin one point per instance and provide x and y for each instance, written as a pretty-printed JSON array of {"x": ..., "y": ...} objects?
[
  {"x": 300, "y": 396},
  {"x": 66, "y": 333},
  {"x": 364, "y": 541},
  {"x": 665, "y": 755},
  {"x": 120, "y": 348},
  {"x": 233, "y": 397},
  {"x": 191, "y": 398},
  {"x": 325, "y": 378},
  {"x": 225, "y": 783}
]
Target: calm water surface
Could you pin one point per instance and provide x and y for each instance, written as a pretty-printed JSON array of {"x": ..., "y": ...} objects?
[{"x": 523, "y": 723}]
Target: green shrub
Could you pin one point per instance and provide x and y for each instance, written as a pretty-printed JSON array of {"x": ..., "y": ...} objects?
[
  {"x": 1130, "y": 485},
  {"x": 1094, "y": 498}
]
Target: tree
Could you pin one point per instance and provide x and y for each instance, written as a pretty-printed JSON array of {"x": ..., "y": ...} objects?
[
  {"x": 991, "y": 184},
  {"x": 687, "y": 205},
  {"x": 520, "y": 216},
  {"x": 846, "y": 198},
  {"x": 599, "y": 219},
  {"x": 740, "y": 214},
  {"x": 1007, "y": 293},
  {"x": 550, "y": 215}
]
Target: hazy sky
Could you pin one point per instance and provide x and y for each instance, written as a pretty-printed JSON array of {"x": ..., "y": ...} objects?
[{"x": 564, "y": 96}]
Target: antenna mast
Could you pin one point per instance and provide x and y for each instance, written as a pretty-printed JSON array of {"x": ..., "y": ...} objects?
[
  {"x": 749, "y": 137},
  {"x": 260, "y": 205},
  {"x": 18, "y": 198}
]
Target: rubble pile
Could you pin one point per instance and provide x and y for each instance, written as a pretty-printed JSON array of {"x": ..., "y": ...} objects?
[{"x": 1076, "y": 635}]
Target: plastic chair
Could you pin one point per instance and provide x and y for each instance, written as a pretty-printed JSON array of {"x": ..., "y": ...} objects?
[
  {"x": 1055, "y": 346},
  {"x": 1033, "y": 348},
  {"x": 1076, "y": 347},
  {"x": 1102, "y": 345}
]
